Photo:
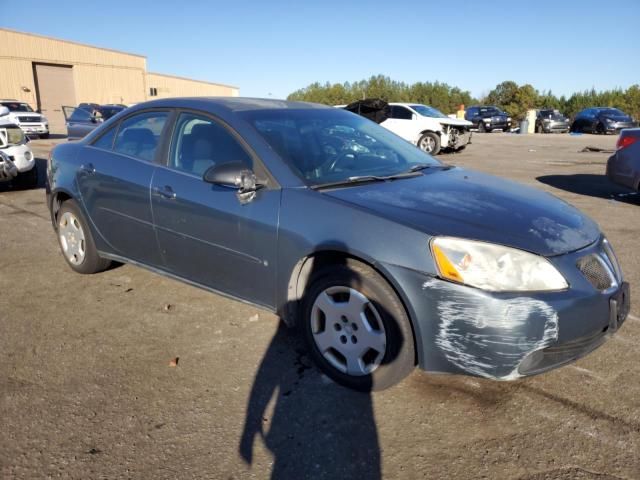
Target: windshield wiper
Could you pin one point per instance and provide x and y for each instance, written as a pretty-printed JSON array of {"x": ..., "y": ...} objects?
[
  {"x": 420, "y": 166},
  {"x": 366, "y": 178}
]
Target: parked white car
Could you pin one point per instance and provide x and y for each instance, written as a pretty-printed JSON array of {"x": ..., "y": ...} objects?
[
  {"x": 18, "y": 161},
  {"x": 428, "y": 128},
  {"x": 30, "y": 121}
]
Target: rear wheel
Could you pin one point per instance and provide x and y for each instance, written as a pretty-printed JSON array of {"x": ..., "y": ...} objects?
[
  {"x": 356, "y": 328},
  {"x": 429, "y": 143},
  {"x": 76, "y": 242}
]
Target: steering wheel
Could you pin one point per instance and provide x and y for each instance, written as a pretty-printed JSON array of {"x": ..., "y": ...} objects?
[{"x": 341, "y": 158}]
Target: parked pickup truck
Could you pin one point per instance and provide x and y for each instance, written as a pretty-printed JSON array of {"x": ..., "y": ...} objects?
[{"x": 30, "y": 122}]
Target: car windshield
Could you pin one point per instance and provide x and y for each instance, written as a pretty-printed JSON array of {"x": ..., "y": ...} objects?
[
  {"x": 17, "y": 107},
  {"x": 612, "y": 111},
  {"x": 427, "y": 111},
  {"x": 491, "y": 110},
  {"x": 108, "y": 112},
  {"x": 555, "y": 114},
  {"x": 331, "y": 145}
]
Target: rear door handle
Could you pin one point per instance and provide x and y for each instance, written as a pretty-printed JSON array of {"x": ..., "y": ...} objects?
[
  {"x": 89, "y": 169},
  {"x": 164, "y": 192}
]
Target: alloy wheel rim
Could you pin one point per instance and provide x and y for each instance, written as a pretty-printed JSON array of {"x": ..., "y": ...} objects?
[
  {"x": 348, "y": 330},
  {"x": 72, "y": 239},
  {"x": 427, "y": 144}
]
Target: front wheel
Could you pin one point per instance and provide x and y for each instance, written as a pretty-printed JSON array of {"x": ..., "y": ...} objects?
[
  {"x": 357, "y": 330},
  {"x": 429, "y": 143},
  {"x": 76, "y": 242},
  {"x": 539, "y": 128},
  {"x": 481, "y": 127},
  {"x": 600, "y": 129}
]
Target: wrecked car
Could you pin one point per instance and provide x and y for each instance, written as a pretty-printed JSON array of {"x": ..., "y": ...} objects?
[
  {"x": 426, "y": 127},
  {"x": 384, "y": 257},
  {"x": 18, "y": 163}
]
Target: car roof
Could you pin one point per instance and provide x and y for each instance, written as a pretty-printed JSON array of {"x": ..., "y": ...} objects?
[{"x": 228, "y": 104}]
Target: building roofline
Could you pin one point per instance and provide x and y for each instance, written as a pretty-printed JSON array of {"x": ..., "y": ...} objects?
[
  {"x": 193, "y": 80},
  {"x": 73, "y": 42}
]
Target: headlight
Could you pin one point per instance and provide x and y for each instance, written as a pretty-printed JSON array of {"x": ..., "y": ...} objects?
[
  {"x": 508, "y": 119},
  {"x": 609, "y": 120},
  {"x": 44, "y": 120},
  {"x": 494, "y": 267},
  {"x": 488, "y": 120}
]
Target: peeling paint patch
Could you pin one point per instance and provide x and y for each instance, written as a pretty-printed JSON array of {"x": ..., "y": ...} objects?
[{"x": 488, "y": 336}]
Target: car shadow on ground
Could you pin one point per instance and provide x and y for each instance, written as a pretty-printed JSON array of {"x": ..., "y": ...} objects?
[
  {"x": 18, "y": 184},
  {"x": 313, "y": 427},
  {"x": 591, "y": 185}
]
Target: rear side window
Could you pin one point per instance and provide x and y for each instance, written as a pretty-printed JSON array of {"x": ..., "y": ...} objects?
[
  {"x": 139, "y": 135},
  {"x": 106, "y": 140},
  {"x": 401, "y": 113}
]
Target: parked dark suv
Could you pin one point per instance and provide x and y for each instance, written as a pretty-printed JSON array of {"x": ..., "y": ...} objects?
[
  {"x": 549, "y": 120},
  {"x": 602, "y": 120},
  {"x": 488, "y": 118}
]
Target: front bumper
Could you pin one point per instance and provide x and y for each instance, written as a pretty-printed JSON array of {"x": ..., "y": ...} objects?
[
  {"x": 22, "y": 157},
  {"x": 615, "y": 127},
  {"x": 495, "y": 125},
  {"x": 34, "y": 128},
  {"x": 505, "y": 336},
  {"x": 555, "y": 127}
]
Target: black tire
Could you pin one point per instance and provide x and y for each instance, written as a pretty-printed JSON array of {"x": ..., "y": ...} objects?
[
  {"x": 398, "y": 360},
  {"x": 600, "y": 129},
  {"x": 539, "y": 128},
  {"x": 481, "y": 127},
  {"x": 92, "y": 262},
  {"x": 436, "y": 143},
  {"x": 44, "y": 135}
]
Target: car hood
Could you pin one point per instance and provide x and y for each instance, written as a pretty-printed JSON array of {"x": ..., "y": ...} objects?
[
  {"x": 468, "y": 204},
  {"x": 456, "y": 122}
]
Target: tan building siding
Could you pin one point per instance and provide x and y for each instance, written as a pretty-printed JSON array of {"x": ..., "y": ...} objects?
[
  {"x": 100, "y": 75},
  {"x": 170, "y": 86}
]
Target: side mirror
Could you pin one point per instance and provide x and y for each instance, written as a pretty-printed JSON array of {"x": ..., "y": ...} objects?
[
  {"x": 234, "y": 174},
  {"x": 4, "y": 111}
]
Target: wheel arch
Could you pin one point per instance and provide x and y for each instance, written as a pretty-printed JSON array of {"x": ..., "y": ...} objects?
[
  {"x": 301, "y": 275},
  {"x": 58, "y": 197}
]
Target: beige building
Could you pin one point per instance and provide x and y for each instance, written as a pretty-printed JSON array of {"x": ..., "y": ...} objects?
[{"x": 48, "y": 73}]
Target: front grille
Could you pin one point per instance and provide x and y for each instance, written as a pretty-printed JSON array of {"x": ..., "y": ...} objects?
[
  {"x": 593, "y": 268},
  {"x": 29, "y": 119}
]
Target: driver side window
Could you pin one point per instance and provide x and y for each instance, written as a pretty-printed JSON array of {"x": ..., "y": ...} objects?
[{"x": 200, "y": 143}]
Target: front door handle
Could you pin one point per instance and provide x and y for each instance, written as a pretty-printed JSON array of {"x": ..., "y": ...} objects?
[
  {"x": 164, "y": 192},
  {"x": 89, "y": 169}
]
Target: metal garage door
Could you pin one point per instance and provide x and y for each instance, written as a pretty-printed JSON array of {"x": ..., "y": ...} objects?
[{"x": 55, "y": 88}]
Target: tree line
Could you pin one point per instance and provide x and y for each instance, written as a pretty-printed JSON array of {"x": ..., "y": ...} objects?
[{"x": 512, "y": 98}]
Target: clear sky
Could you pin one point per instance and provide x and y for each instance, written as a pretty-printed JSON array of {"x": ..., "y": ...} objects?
[{"x": 273, "y": 47}]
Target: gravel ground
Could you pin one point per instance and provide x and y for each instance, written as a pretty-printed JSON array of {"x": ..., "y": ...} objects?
[{"x": 87, "y": 390}]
